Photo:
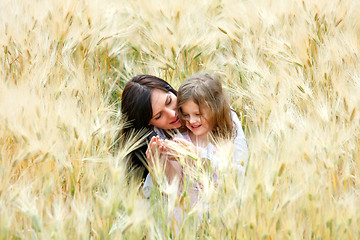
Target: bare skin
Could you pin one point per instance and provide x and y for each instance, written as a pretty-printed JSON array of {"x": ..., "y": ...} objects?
[
  {"x": 160, "y": 154},
  {"x": 159, "y": 159},
  {"x": 164, "y": 110}
]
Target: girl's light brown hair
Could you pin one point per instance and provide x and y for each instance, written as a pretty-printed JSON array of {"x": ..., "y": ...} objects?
[{"x": 206, "y": 91}]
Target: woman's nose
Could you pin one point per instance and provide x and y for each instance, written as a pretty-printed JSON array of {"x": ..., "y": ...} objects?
[{"x": 171, "y": 112}]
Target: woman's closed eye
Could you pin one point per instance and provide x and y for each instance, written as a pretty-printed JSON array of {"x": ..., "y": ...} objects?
[
  {"x": 167, "y": 102},
  {"x": 158, "y": 116},
  {"x": 169, "y": 99}
]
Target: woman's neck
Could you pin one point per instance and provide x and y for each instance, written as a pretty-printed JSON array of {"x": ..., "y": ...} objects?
[{"x": 199, "y": 141}]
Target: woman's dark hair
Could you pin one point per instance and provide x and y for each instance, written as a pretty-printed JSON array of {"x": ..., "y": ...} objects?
[
  {"x": 136, "y": 113},
  {"x": 136, "y": 99}
]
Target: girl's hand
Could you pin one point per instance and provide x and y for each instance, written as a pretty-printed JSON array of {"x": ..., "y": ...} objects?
[
  {"x": 180, "y": 147},
  {"x": 185, "y": 144}
]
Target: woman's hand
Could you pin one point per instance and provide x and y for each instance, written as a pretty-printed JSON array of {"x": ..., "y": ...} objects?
[
  {"x": 160, "y": 160},
  {"x": 154, "y": 150}
]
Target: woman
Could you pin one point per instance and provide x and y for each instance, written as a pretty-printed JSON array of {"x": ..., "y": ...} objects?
[{"x": 149, "y": 103}]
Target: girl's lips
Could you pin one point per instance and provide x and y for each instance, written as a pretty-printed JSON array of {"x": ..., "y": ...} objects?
[
  {"x": 176, "y": 121},
  {"x": 196, "y": 127}
]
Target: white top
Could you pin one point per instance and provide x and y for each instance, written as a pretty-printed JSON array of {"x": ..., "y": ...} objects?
[{"x": 240, "y": 154}]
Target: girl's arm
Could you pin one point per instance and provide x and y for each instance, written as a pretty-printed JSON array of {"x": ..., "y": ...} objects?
[{"x": 240, "y": 156}]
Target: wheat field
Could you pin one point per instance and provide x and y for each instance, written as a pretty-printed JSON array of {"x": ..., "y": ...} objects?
[{"x": 290, "y": 68}]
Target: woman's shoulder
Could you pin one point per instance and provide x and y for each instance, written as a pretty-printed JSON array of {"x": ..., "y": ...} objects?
[{"x": 160, "y": 132}]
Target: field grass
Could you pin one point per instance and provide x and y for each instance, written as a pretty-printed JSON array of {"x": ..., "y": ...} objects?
[{"x": 292, "y": 71}]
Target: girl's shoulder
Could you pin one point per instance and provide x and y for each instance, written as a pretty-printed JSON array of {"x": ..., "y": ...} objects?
[
  {"x": 168, "y": 134},
  {"x": 184, "y": 135}
]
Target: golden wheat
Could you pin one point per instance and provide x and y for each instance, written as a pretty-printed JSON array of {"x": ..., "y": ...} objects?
[{"x": 292, "y": 71}]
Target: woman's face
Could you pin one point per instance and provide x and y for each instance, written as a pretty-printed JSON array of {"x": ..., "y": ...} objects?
[{"x": 164, "y": 110}]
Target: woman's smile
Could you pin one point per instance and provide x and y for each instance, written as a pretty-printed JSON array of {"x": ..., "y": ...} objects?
[{"x": 176, "y": 121}]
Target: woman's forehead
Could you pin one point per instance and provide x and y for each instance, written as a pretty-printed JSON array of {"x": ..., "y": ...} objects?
[
  {"x": 159, "y": 99},
  {"x": 157, "y": 94}
]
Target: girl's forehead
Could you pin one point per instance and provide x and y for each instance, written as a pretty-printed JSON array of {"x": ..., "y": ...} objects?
[
  {"x": 194, "y": 105},
  {"x": 190, "y": 103}
]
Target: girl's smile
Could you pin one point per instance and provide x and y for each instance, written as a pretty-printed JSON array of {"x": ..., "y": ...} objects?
[{"x": 195, "y": 126}]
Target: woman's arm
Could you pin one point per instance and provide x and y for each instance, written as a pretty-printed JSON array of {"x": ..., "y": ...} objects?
[{"x": 159, "y": 161}]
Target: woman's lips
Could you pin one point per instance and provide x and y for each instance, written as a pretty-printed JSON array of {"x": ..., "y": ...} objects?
[{"x": 176, "y": 121}]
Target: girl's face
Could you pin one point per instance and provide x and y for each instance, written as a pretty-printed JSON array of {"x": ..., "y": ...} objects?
[
  {"x": 195, "y": 121},
  {"x": 164, "y": 110}
]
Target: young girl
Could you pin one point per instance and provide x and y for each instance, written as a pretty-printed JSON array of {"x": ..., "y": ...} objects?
[{"x": 205, "y": 111}]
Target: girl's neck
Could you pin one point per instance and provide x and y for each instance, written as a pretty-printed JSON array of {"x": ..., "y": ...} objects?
[{"x": 199, "y": 141}]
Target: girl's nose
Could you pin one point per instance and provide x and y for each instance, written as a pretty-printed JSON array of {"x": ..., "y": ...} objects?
[{"x": 193, "y": 119}]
